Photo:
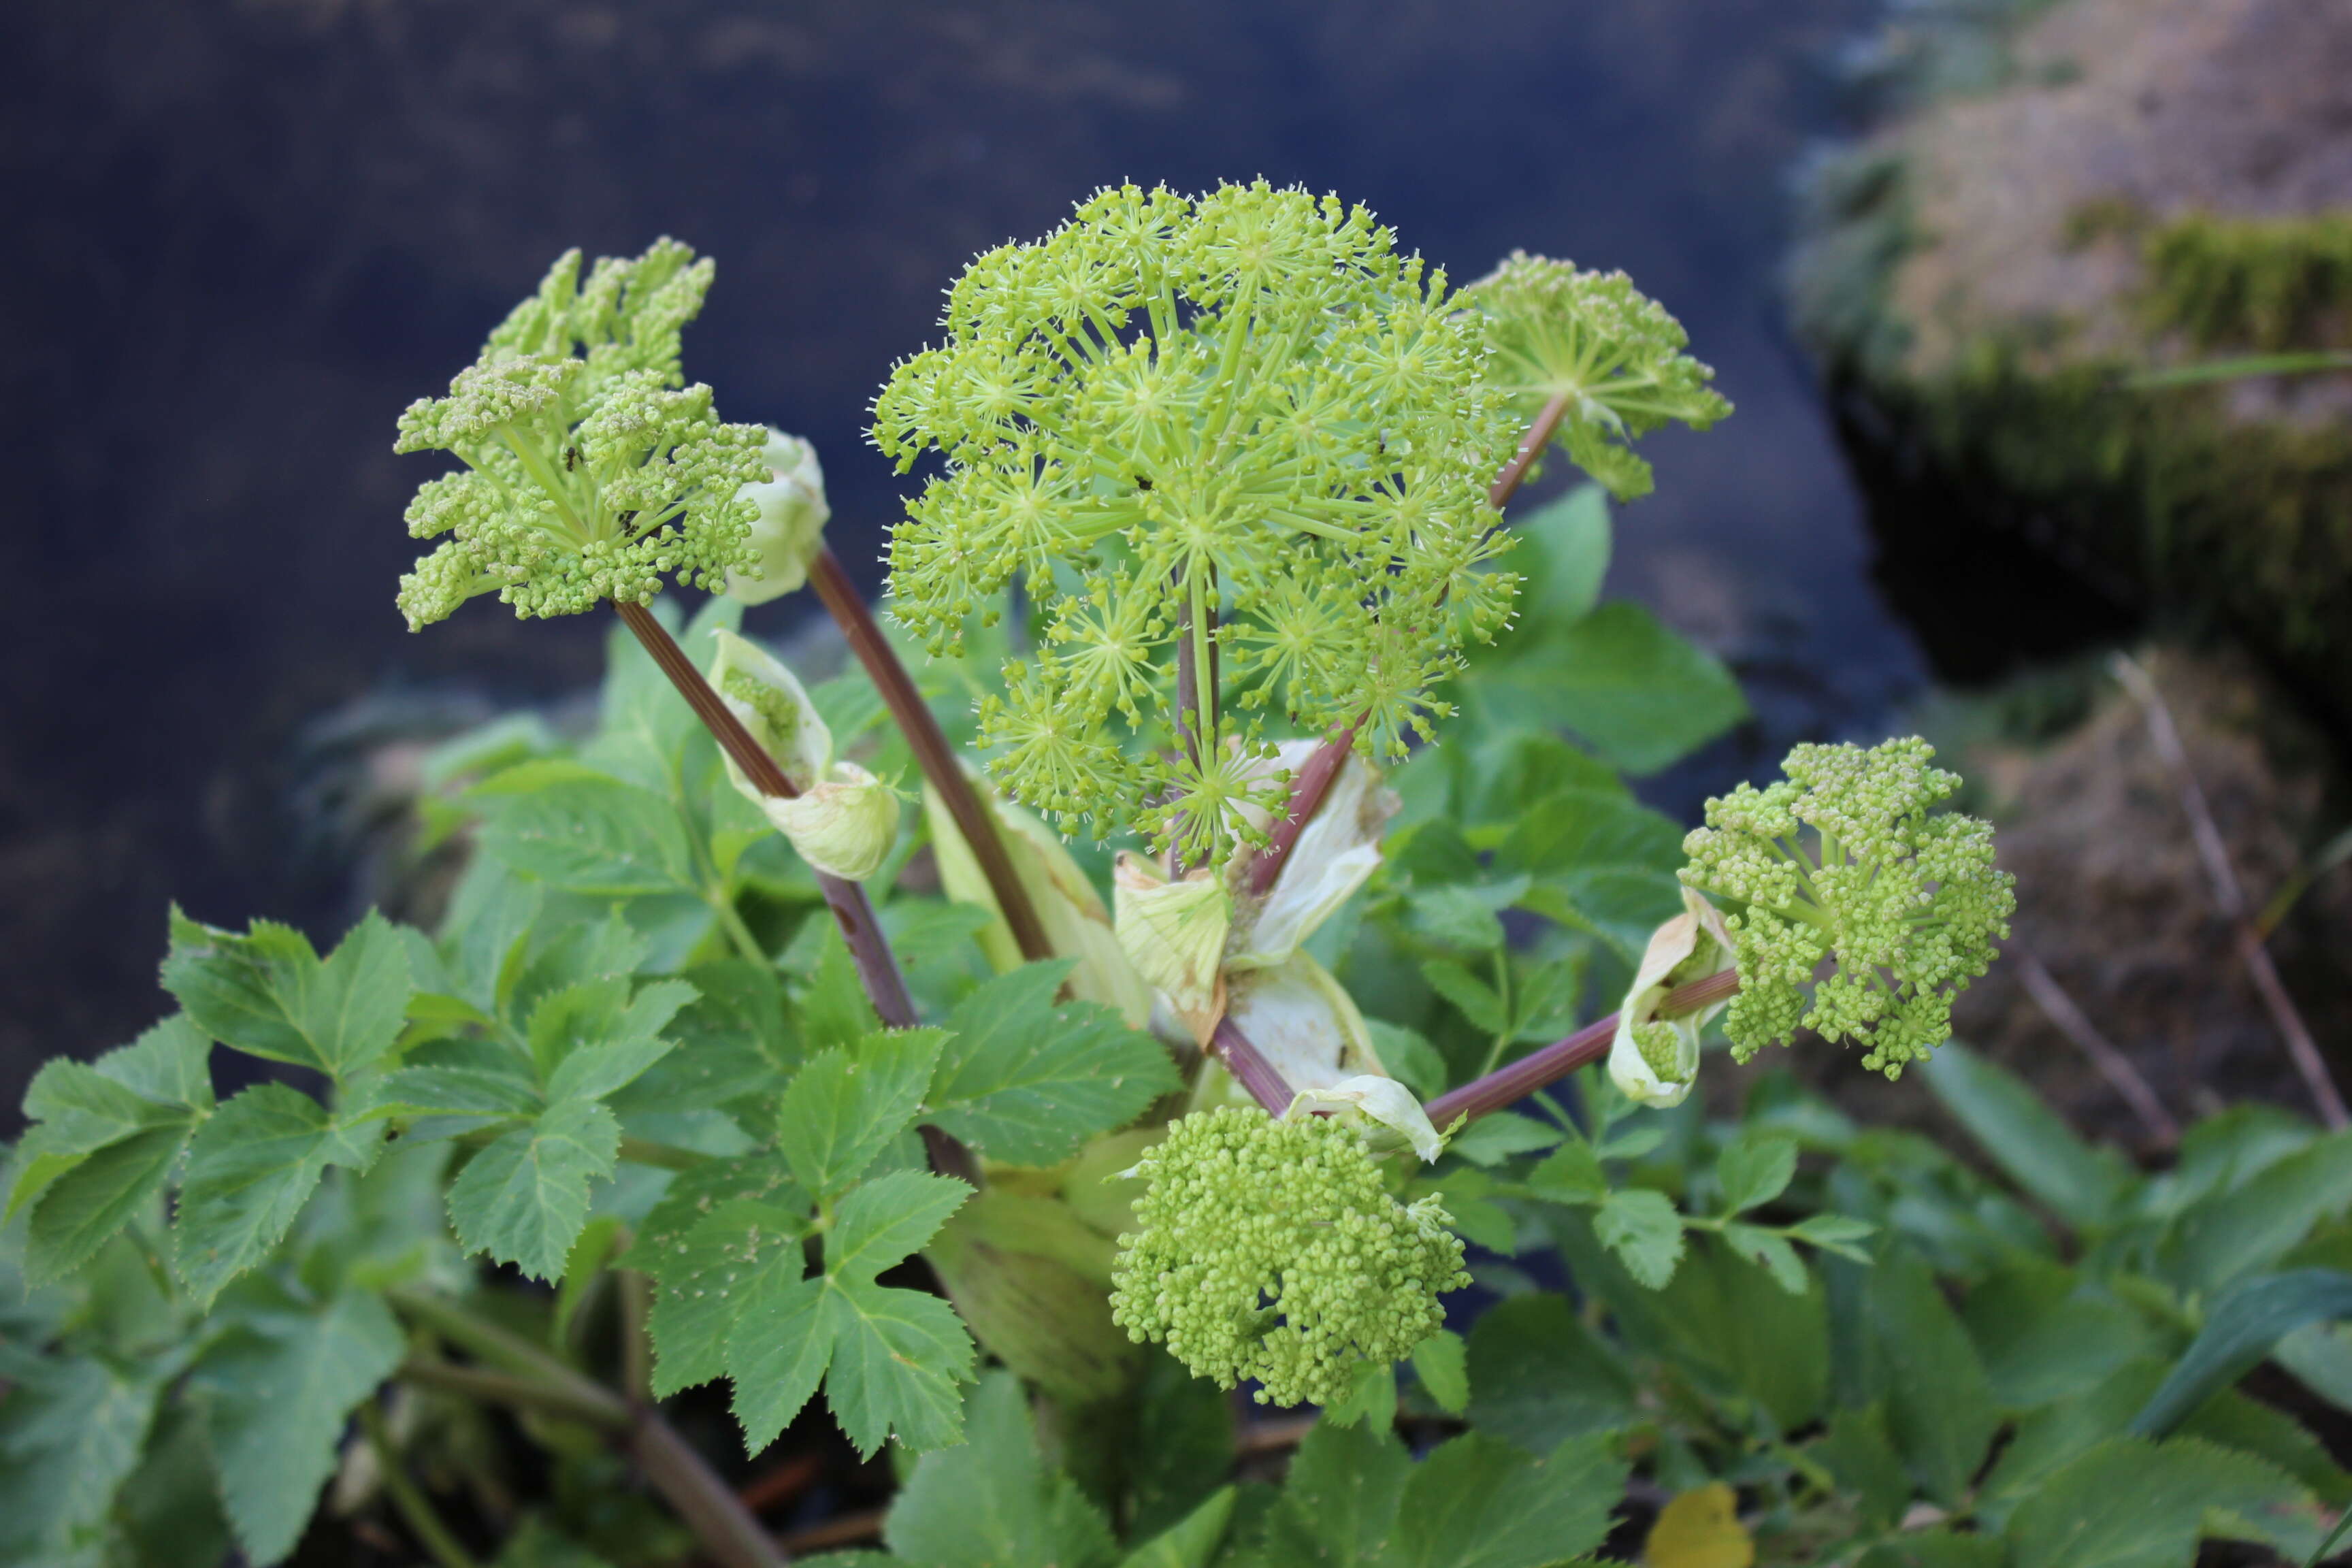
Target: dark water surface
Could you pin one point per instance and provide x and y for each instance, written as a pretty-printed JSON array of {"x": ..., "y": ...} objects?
[{"x": 242, "y": 237}]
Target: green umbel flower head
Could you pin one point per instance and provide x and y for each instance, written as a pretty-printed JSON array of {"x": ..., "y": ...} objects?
[
  {"x": 1243, "y": 420},
  {"x": 1843, "y": 860},
  {"x": 1612, "y": 350},
  {"x": 1270, "y": 1249},
  {"x": 590, "y": 474}
]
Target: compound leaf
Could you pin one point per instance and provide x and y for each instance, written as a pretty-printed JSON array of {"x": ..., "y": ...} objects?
[
  {"x": 524, "y": 1198},
  {"x": 279, "y": 1387},
  {"x": 268, "y": 992},
  {"x": 1026, "y": 1082},
  {"x": 250, "y": 1170}
]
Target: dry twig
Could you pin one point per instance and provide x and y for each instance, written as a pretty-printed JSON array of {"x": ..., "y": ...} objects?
[
  {"x": 2113, "y": 1065},
  {"x": 2228, "y": 896}
]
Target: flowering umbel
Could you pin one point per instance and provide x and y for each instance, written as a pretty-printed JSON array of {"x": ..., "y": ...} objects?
[
  {"x": 1270, "y": 1249},
  {"x": 1843, "y": 860},
  {"x": 1240, "y": 429}
]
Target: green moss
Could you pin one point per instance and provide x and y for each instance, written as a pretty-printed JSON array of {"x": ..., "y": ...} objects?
[
  {"x": 2251, "y": 519},
  {"x": 2266, "y": 283}
]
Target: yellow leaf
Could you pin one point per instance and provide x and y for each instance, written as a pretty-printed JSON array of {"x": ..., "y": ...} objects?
[{"x": 1700, "y": 1529}]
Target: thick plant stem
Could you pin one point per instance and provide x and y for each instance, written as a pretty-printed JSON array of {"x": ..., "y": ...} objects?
[
  {"x": 853, "y": 910},
  {"x": 1306, "y": 793},
  {"x": 1531, "y": 445},
  {"x": 1509, "y": 1084},
  {"x": 423, "y": 1519},
  {"x": 1249, "y": 1067},
  {"x": 706, "y": 1505},
  {"x": 932, "y": 752}
]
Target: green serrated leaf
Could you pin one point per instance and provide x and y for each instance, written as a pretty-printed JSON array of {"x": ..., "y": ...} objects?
[
  {"x": 1860, "y": 1453},
  {"x": 2129, "y": 1503},
  {"x": 1463, "y": 915},
  {"x": 2239, "y": 1331},
  {"x": 1341, "y": 1504},
  {"x": 889, "y": 1359},
  {"x": 993, "y": 1502},
  {"x": 1025, "y": 1081},
  {"x": 583, "y": 831},
  {"x": 1835, "y": 1233},
  {"x": 524, "y": 1198},
  {"x": 70, "y": 1432},
  {"x": 888, "y": 1220},
  {"x": 1191, "y": 1542},
  {"x": 1477, "y": 1503},
  {"x": 1539, "y": 1377},
  {"x": 1504, "y": 1135},
  {"x": 1771, "y": 1252},
  {"x": 707, "y": 1277},
  {"x": 1442, "y": 1362},
  {"x": 268, "y": 995},
  {"x": 1564, "y": 556},
  {"x": 1939, "y": 1403},
  {"x": 166, "y": 1064},
  {"x": 1570, "y": 1175},
  {"x": 483, "y": 940},
  {"x": 1754, "y": 1169},
  {"x": 833, "y": 1009},
  {"x": 2249, "y": 1225},
  {"x": 82, "y": 1208},
  {"x": 2037, "y": 1149},
  {"x": 842, "y": 1107},
  {"x": 1473, "y": 998},
  {"x": 499, "y": 1089},
  {"x": 1640, "y": 695},
  {"x": 250, "y": 1170},
  {"x": 1645, "y": 1233},
  {"x": 278, "y": 1388}
]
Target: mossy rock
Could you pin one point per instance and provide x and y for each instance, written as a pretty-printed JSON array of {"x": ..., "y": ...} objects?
[{"x": 2112, "y": 188}]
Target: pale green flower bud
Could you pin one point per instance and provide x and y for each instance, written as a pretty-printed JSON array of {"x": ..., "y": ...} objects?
[
  {"x": 1174, "y": 934},
  {"x": 1382, "y": 1100},
  {"x": 843, "y": 827},
  {"x": 789, "y": 529},
  {"x": 1654, "y": 1060},
  {"x": 845, "y": 820}
]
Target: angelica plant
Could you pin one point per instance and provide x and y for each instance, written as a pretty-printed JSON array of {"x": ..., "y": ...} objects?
[
  {"x": 1845, "y": 860},
  {"x": 1270, "y": 1248},
  {"x": 1589, "y": 362},
  {"x": 1236, "y": 446}
]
